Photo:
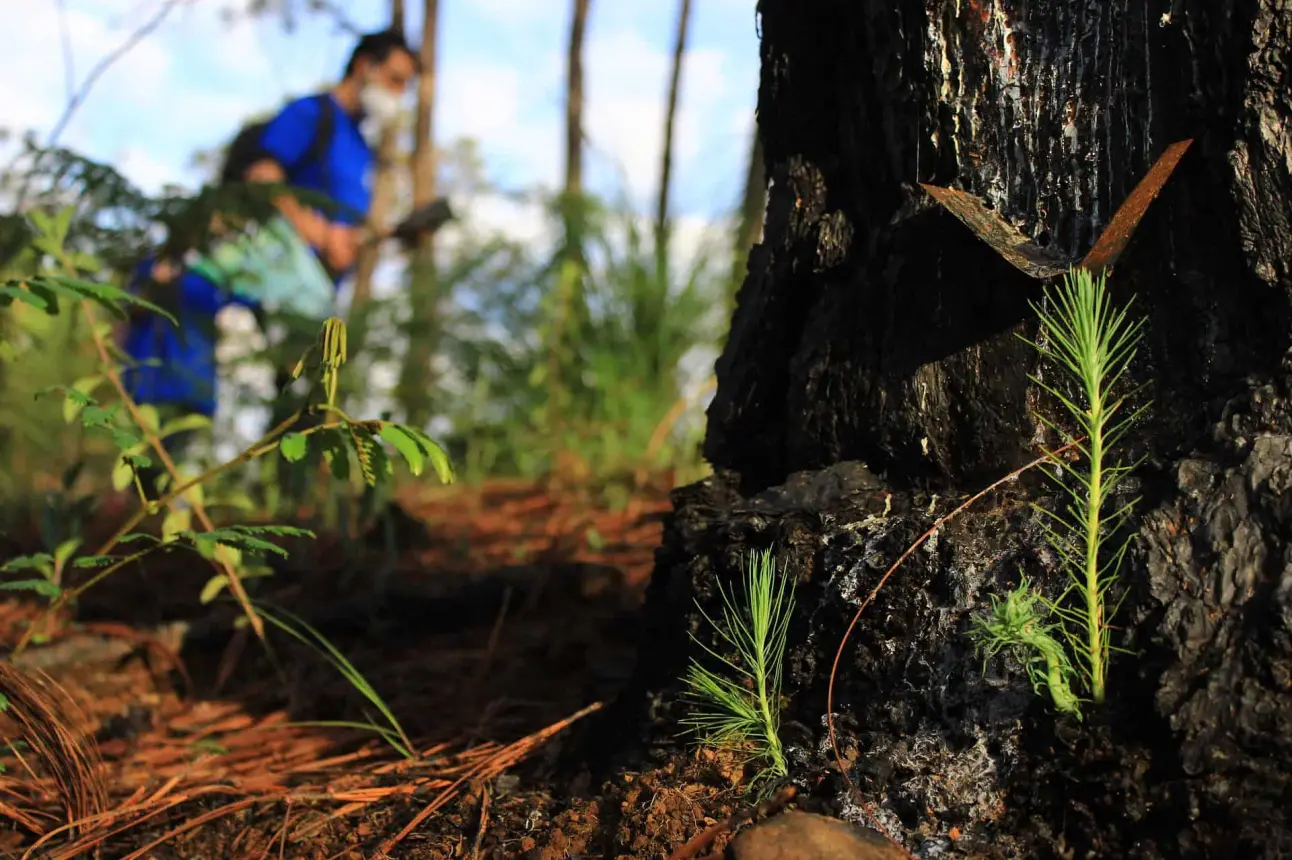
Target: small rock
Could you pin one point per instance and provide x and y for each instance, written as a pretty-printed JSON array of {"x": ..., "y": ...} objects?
[{"x": 804, "y": 836}]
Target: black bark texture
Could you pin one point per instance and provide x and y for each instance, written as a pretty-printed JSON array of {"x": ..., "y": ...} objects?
[{"x": 873, "y": 379}]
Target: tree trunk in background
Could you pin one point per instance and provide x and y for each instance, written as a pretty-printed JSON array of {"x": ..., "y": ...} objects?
[
  {"x": 417, "y": 378},
  {"x": 873, "y": 379},
  {"x": 383, "y": 199},
  {"x": 670, "y": 115},
  {"x": 749, "y": 227},
  {"x": 574, "y": 101},
  {"x": 568, "y": 289}
]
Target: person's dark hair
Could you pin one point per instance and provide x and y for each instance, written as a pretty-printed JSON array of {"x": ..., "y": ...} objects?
[{"x": 379, "y": 46}]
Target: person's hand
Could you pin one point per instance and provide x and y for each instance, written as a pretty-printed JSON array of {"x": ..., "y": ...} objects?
[
  {"x": 164, "y": 271},
  {"x": 340, "y": 247}
]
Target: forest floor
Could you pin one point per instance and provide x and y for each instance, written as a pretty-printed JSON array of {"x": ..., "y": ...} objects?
[{"x": 510, "y": 614}]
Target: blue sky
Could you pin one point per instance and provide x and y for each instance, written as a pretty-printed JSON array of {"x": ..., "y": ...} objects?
[{"x": 501, "y": 81}]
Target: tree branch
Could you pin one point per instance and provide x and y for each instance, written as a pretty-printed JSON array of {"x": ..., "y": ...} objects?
[{"x": 105, "y": 63}]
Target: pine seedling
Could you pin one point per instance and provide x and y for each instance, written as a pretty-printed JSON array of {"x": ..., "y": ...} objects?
[
  {"x": 1085, "y": 338},
  {"x": 738, "y": 709}
]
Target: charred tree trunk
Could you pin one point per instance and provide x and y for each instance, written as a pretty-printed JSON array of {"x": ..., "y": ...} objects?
[
  {"x": 872, "y": 379},
  {"x": 749, "y": 226},
  {"x": 417, "y": 377}
]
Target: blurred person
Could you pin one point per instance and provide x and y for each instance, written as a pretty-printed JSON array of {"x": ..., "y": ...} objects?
[{"x": 322, "y": 143}]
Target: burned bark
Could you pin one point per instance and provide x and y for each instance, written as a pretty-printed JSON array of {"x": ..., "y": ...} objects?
[
  {"x": 869, "y": 313},
  {"x": 873, "y": 379}
]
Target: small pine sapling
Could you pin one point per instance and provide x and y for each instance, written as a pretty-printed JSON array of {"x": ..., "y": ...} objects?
[
  {"x": 1085, "y": 338},
  {"x": 739, "y": 709}
]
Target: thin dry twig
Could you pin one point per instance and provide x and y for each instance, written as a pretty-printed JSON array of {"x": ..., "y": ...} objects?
[
  {"x": 287, "y": 820},
  {"x": 218, "y": 812},
  {"x": 504, "y": 759},
  {"x": 69, "y": 59},
  {"x": 484, "y": 821}
]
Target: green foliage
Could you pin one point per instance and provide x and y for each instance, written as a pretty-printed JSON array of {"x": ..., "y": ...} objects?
[
  {"x": 109, "y": 220},
  {"x": 1016, "y": 624},
  {"x": 50, "y": 566},
  {"x": 245, "y": 539},
  {"x": 392, "y": 732},
  {"x": 580, "y": 353},
  {"x": 81, "y": 230},
  {"x": 135, "y": 432},
  {"x": 1092, "y": 344},
  {"x": 738, "y": 708}
]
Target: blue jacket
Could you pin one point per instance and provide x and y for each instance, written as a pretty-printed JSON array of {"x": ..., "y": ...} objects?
[{"x": 186, "y": 375}]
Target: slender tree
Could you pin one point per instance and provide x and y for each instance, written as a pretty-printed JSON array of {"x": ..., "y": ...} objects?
[
  {"x": 383, "y": 194},
  {"x": 574, "y": 100},
  {"x": 414, "y": 390},
  {"x": 670, "y": 117},
  {"x": 568, "y": 292}
]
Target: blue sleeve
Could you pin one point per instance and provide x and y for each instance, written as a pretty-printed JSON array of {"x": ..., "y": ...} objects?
[
  {"x": 140, "y": 274},
  {"x": 204, "y": 297},
  {"x": 287, "y": 137}
]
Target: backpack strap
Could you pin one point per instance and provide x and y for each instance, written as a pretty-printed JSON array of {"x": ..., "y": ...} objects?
[{"x": 324, "y": 131}]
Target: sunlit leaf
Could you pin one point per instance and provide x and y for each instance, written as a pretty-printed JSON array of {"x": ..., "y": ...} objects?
[
  {"x": 64, "y": 551},
  {"x": 151, "y": 417},
  {"x": 125, "y": 439},
  {"x": 177, "y": 520},
  {"x": 243, "y": 538},
  {"x": 216, "y": 584},
  {"x": 43, "y": 587},
  {"x": 184, "y": 424},
  {"x": 41, "y": 561},
  {"x": 294, "y": 446},
  {"x": 11, "y": 292},
  {"x": 90, "y": 561},
  {"x": 406, "y": 445},
  {"x": 122, "y": 474},
  {"x": 79, "y": 396}
]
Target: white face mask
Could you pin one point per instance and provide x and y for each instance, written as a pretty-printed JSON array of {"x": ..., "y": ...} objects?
[{"x": 379, "y": 104}]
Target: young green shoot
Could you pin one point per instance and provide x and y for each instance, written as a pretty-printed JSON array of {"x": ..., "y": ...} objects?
[
  {"x": 1016, "y": 625},
  {"x": 1092, "y": 343},
  {"x": 739, "y": 709},
  {"x": 391, "y": 732}
]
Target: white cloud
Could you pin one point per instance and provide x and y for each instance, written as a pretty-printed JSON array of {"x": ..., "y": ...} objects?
[
  {"x": 627, "y": 91},
  {"x": 525, "y": 222},
  {"x": 148, "y": 172},
  {"x": 479, "y": 100},
  {"x": 33, "y": 78},
  {"x": 514, "y": 12}
]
